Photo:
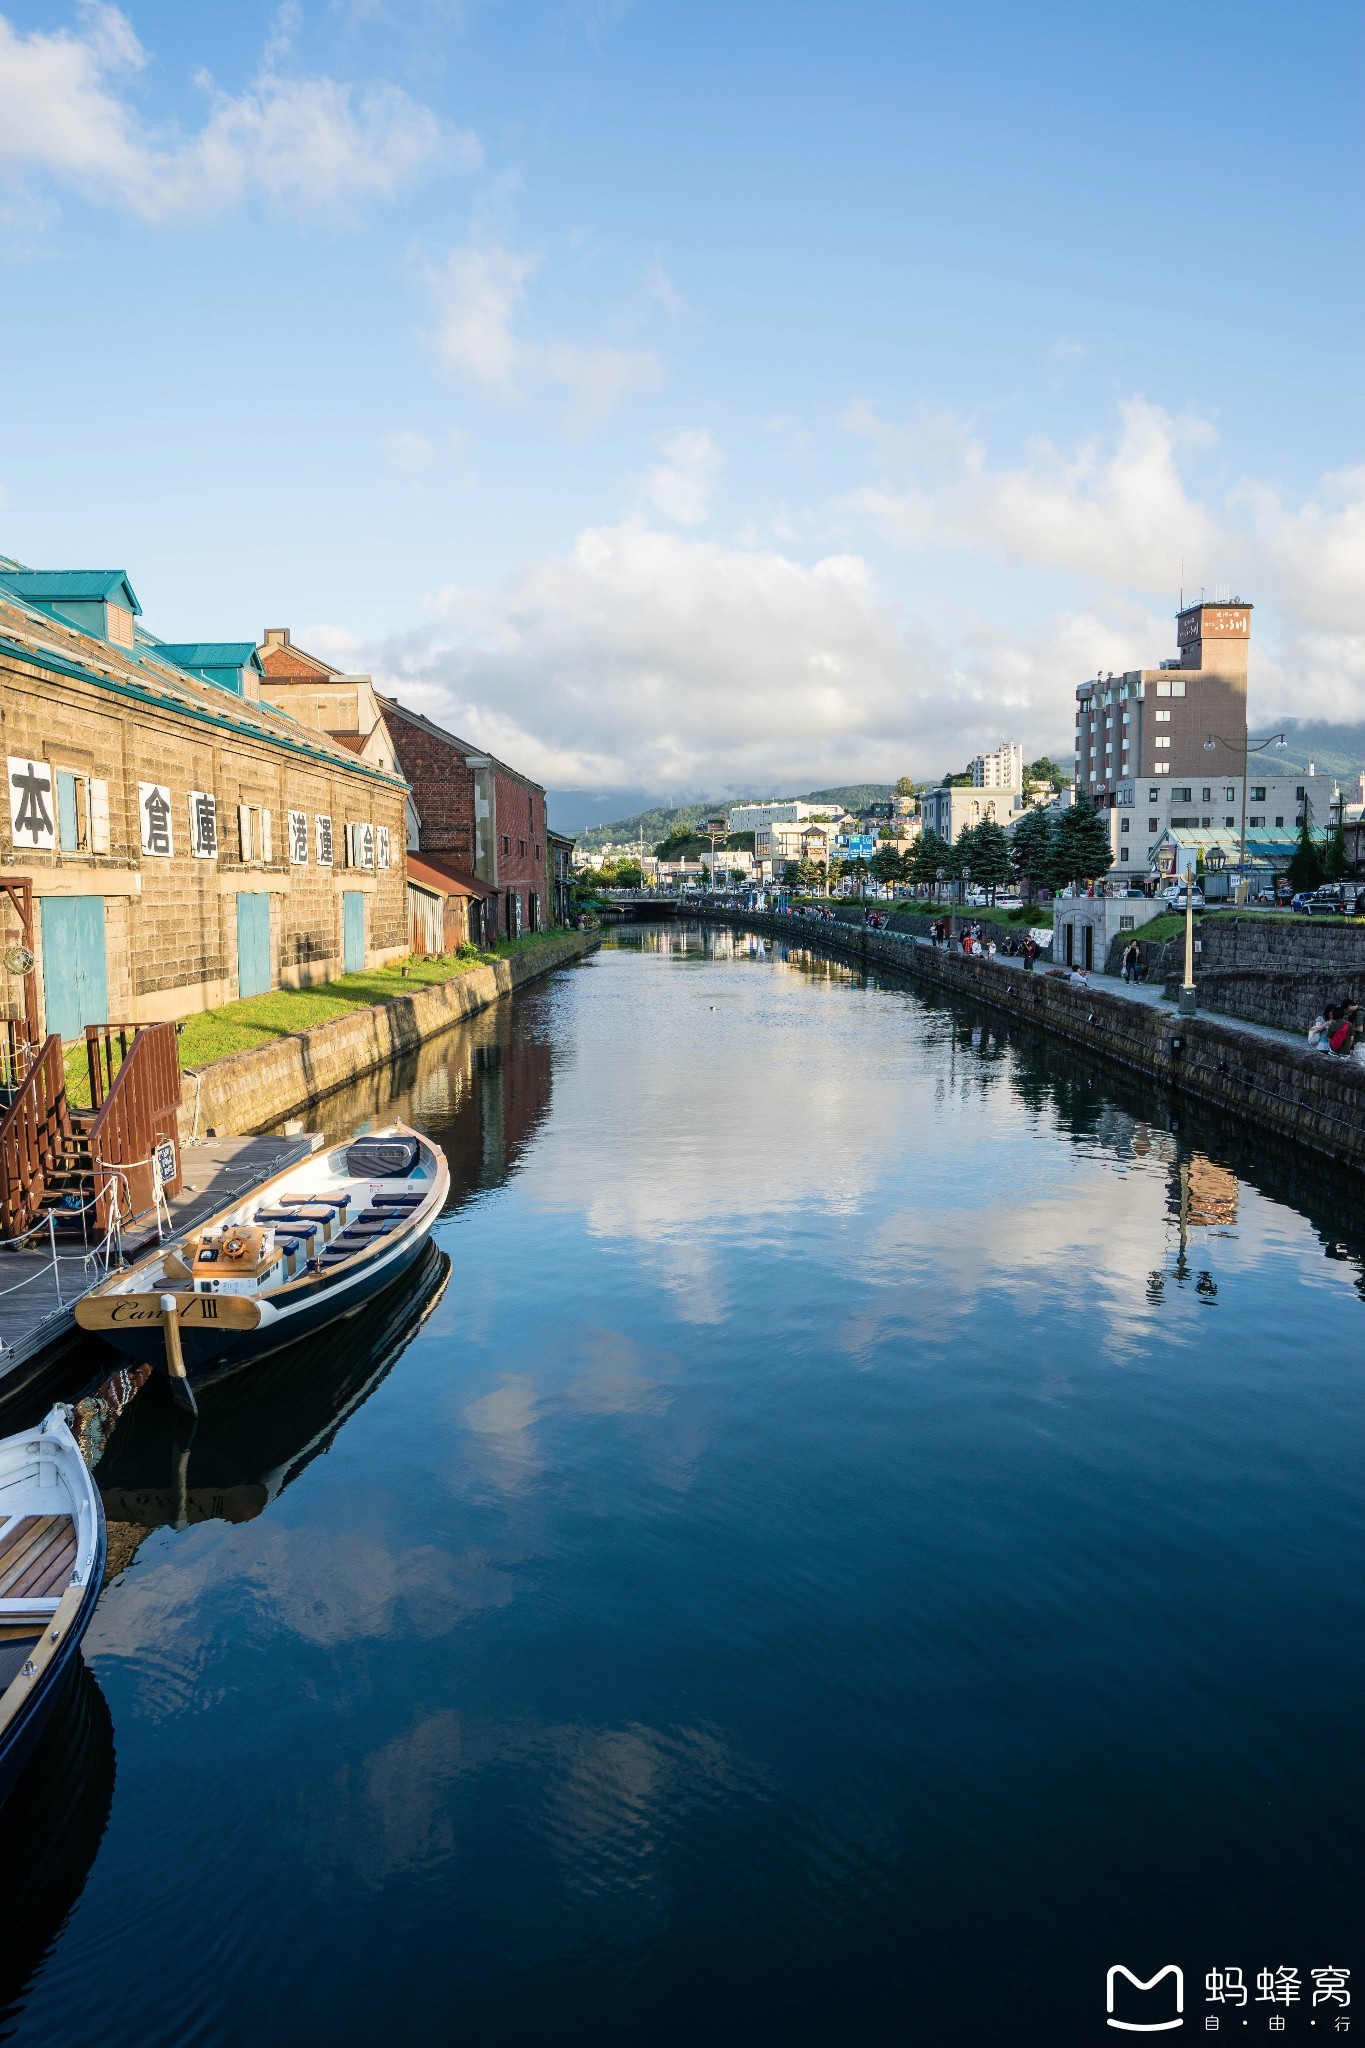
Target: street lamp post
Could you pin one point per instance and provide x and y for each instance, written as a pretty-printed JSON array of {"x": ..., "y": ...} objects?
[
  {"x": 1249, "y": 747},
  {"x": 1188, "y": 1000}
]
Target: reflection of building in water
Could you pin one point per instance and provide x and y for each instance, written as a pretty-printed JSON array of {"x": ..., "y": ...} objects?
[{"x": 1211, "y": 1192}]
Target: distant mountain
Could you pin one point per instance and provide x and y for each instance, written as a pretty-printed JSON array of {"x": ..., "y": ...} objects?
[
  {"x": 655, "y": 824},
  {"x": 1335, "y": 750}
]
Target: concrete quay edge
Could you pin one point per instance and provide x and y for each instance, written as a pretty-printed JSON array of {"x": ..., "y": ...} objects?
[
  {"x": 1310, "y": 1097},
  {"x": 247, "y": 1091}
]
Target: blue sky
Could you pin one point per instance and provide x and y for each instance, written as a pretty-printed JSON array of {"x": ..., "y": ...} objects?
[{"x": 682, "y": 398}]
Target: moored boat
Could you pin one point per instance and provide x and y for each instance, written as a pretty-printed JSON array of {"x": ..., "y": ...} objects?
[
  {"x": 51, "y": 1568},
  {"x": 307, "y": 1246}
]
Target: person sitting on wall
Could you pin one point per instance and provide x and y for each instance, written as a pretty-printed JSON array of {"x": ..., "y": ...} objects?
[
  {"x": 1320, "y": 1028},
  {"x": 1079, "y": 978}
]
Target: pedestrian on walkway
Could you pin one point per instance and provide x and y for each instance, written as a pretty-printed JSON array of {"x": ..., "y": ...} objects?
[
  {"x": 1031, "y": 951},
  {"x": 1132, "y": 962}
]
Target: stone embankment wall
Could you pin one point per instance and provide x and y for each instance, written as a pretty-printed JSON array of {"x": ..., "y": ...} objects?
[
  {"x": 1313, "y": 1098},
  {"x": 249, "y": 1091},
  {"x": 1268, "y": 969}
]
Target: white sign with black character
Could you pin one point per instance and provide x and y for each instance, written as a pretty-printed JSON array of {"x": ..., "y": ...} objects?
[
  {"x": 203, "y": 825},
  {"x": 298, "y": 838},
  {"x": 324, "y": 826},
  {"x": 381, "y": 839},
  {"x": 32, "y": 811},
  {"x": 154, "y": 816}
]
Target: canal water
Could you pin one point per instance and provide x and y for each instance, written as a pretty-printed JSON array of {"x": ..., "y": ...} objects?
[{"x": 853, "y": 1533}]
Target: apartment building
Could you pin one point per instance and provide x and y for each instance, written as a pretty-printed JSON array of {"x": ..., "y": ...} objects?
[{"x": 1163, "y": 751}]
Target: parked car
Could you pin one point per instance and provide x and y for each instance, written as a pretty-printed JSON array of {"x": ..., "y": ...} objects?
[
  {"x": 1176, "y": 897},
  {"x": 1334, "y": 899}
]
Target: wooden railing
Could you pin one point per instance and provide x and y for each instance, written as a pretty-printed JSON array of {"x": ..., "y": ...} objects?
[
  {"x": 137, "y": 1119},
  {"x": 101, "y": 1040},
  {"x": 35, "y": 1137}
]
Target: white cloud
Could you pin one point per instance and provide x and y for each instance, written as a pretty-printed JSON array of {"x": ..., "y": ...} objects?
[
  {"x": 1121, "y": 514},
  {"x": 305, "y": 145},
  {"x": 409, "y": 454},
  {"x": 680, "y": 486},
  {"x": 478, "y": 290},
  {"x": 662, "y": 660}
]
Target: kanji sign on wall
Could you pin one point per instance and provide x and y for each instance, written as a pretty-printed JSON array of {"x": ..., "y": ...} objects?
[
  {"x": 324, "y": 826},
  {"x": 203, "y": 825},
  {"x": 298, "y": 838},
  {"x": 32, "y": 811},
  {"x": 154, "y": 817}
]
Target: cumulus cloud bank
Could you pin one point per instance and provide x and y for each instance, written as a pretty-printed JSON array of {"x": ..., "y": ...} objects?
[
  {"x": 306, "y": 146},
  {"x": 662, "y": 659}
]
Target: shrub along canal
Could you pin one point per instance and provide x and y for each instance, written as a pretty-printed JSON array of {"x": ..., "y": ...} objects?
[{"x": 854, "y": 1529}]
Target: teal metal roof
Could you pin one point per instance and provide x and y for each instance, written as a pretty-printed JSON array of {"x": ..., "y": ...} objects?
[
  {"x": 77, "y": 586},
  {"x": 209, "y": 653},
  {"x": 243, "y": 719}
]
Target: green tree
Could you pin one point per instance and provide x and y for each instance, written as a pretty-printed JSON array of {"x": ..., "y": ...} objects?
[
  {"x": 1033, "y": 849},
  {"x": 1338, "y": 861},
  {"x": 1083, "y": 850},
  {"x": 859, "y": 871},
  {"x": 960, "y": 859},
  {"x": 886, "y": 865},
  {"x": 991, "y": 865},
  {"x": 929, "y": 854},
  {"x": 805, "y": 871},
  {"x": 1044, "y": 769},
  {"x": 905, "y": 787},
  {"x": 835, "y": 871},
  {"x": 1306, "y": 865}
]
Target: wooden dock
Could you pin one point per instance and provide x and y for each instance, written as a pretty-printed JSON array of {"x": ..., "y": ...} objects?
[{"x": 37, "y": 1299}]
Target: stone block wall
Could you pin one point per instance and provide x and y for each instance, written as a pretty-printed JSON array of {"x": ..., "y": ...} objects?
[{"x": 1270, "y": 969}]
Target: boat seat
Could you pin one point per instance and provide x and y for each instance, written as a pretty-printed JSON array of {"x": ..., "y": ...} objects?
[
  {"x": 306, "y": 1227},
  {"x": 37, "y": 1554},
  {"x": 412, "y": 1200}
]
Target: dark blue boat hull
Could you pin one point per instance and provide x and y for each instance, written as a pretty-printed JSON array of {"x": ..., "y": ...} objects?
[
  {"x": 19, "y": 1740},
  {"x": 210, "y": 1353}
]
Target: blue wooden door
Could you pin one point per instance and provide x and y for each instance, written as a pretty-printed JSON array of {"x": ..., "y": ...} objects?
[
  {"x": 253, "y": 944},
  {"x": 353, "y": 931},
  {"x": 75, "y": 992}
]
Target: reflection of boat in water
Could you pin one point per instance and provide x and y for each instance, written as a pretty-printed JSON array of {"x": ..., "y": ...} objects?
[
  {"x": 51, "y": 1571},
  {"x": 307, "y": 1246},
  {"x": 51, "y": 1827},
  {"x": 257, "y": 1431}
]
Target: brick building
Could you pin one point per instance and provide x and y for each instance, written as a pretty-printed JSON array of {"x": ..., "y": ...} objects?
[
  {"x": 478, "y": 825},
  {"x": 482, "y": 818},
  {"x": 187, "y": 843}
]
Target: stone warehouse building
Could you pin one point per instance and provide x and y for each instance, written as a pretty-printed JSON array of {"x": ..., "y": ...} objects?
[{"x": 187, "y": 843}]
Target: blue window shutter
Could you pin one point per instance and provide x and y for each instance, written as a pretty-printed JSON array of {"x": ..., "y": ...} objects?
[{"x": 66, "y": 811}]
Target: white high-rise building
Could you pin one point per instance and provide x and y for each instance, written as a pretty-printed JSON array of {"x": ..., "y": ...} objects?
[{"x": 1004, "y": 769}]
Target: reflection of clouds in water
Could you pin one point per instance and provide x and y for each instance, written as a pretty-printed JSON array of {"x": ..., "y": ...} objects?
[
  {"x": 162, "y": 1616},
  {"x": 597, "y": 1374},
  {"x": 691, "y": 1144},
  {"x": 606, "y": 1803},
  {"x": 502, "y": 1424}
]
